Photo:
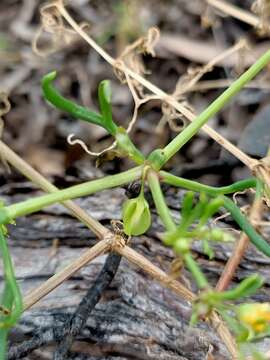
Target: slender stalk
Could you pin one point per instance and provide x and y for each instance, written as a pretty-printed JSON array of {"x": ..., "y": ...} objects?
[
  {"x": 246, "y": 226},
  {"x": 160, "y": 202},
  {"x": 32, "y": 205},
  {"x": 247, "y": 287},
  {"x": 241, "y": 244},
  {"x": 10, "y": 280},
  {"x": 228, "y": 271},
  {"x": 11, "y": 296},
  {"x": 236, "y": 12},
  {"x": 211, "y": 190},
  {"x": 180, "y": 140},
  {"x": 195, "y": 271},
  {"x": 237, "y": 215},
  {"x": 3, "y": 343},
  {"x": 155, "y": 272}
]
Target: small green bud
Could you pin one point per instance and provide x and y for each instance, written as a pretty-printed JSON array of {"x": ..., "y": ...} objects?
[
  {"x": 216, "y": 234},
  {"x": 105, "y": 91},
  {"x": 136, "y": 216},
  {"x": 187, "y": 204},
  {"x": 220, "y": 235},
  {"x": 181, "y": 246}
]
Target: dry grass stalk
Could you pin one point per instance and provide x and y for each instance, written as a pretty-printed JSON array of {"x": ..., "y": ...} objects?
[
  {"x": 159, "y": 275},
  {"x": 236, "y": 12},
  {"x": 223, "y": 83},
  {"x": 57, "y": 279},
  {"x": 240, "y": 248},
  {"x": 262, "y": 171},
  {"x": 18, "y": 163},
  {"x": 259, "y": 7},
  {"x": 247, "y": 160},
  {"x": 262, "y": 9}
]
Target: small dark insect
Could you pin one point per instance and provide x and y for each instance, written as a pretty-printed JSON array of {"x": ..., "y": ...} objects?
[
  {"x": 133, "y": 189},
  {"x": 4, "y": 310}
]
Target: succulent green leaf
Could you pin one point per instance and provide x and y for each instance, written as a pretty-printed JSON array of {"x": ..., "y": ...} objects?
[
  {"x": 246, "y": 288},
  {"x": 104, "y": 97},
  {"x": 207, "y": 249},
  {"x": 136, "y": 216},
  {"x": 104, "y": 120},
  {"x": 210, "y": 209},
  {"x": 249, "y": 286},
  {"x": 187, "y": 204},
  {"x": 52, "y": 95}
]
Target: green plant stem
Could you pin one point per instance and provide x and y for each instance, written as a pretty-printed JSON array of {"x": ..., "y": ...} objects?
[
  {"x": 11, "y": 283},
  {"x": 32, "y": 205},
  {"x": 3, "y": 343},
  {"x": 211, "y": 190},
  {"x": 195, "y": 271},
  {"x": 247, "y": 287},
  {"x": 11, "y": 298},
  {"x": 160, "y": 202},
  {"x": 245, "y": 225},
  {"x": 126, "y": 145},
  {"x": 237, "y": 215},
  {"x": 168, "y": 222},
  {"x": 259, "y": 190},
  {"x": 175, "y": 145}
]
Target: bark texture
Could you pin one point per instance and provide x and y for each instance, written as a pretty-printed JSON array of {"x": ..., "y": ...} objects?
[{"x": 136, "y": 318}]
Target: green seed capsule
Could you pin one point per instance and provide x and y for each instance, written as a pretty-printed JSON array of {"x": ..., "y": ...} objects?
[
  {"x": 216, "y": 234},
  {"x": 136, "y": 216},
  {"x": 181, "y": 246}
]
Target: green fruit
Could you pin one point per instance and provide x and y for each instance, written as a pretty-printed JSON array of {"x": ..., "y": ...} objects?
[
  {"x": 136, "y": 216},
  {"x": 181, "y": 246}
]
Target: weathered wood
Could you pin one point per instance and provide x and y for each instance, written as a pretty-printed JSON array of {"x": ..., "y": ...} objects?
[{"x": 137, "y": 318}]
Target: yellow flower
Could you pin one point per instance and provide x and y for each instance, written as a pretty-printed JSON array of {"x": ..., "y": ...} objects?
[{"x": 255, "y": 316}]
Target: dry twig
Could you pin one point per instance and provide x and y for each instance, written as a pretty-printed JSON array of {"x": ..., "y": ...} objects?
[
  {"x": 34, "y": 296},
  {"x": 239, "y": 249},
  {"x": 247, "y": 160},
  {"x": 235, "y": 12},
  {"x": 10, "y": 156}
]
